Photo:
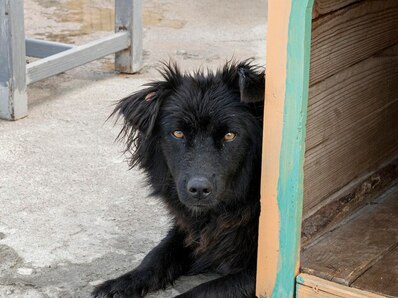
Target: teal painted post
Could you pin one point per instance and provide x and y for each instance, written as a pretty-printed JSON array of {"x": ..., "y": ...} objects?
[{"x": 290, "y": 184}]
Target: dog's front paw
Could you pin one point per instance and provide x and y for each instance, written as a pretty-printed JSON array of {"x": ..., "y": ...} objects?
[{"x": 127, "y": 286}]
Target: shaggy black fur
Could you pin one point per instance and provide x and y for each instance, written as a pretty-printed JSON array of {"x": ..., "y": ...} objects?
[{"x": 198, "y": 138}]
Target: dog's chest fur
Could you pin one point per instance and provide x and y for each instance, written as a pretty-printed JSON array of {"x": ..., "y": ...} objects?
[{"x": 221, "y": 242}]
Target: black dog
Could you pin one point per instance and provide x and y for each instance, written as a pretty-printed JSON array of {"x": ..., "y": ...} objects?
[{"x": 198, "y": 138}]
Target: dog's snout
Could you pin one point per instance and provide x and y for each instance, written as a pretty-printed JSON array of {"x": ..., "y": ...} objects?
[{"x": 199, "y": 187}]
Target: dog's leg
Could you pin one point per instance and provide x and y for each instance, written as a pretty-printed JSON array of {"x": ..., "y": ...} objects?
[
  {"x": 160, "y": 267},
  {"x": 238, "y": 285}
]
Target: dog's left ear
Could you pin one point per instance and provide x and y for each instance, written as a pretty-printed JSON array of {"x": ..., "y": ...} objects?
[{"x": 251, "y": 82}]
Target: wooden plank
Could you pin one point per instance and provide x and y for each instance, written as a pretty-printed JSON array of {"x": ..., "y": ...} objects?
[
  {"x": 77, "y": 56},
  {"x": 326, "y": 6},
  {"x": 13, "y": 98},
  {"x": 303, "y": 291},
  {"x": 346, "y": 203},
  {"x": 43, "y": 48},
  {"x": 350, "y": 35},
  {"x": 347, "y": 252},
  {"x": 283, "y": 150},
  {"x": 268, "y": 238},
  {"x": 309, "y": 286},
  {"x": 128, "y": 18},
  {"x": 352, "y": 127},
  {"x": 383, "y": 276}
]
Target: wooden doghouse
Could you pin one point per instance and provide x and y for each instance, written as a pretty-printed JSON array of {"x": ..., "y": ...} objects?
[{"x": 329, "y": 219}]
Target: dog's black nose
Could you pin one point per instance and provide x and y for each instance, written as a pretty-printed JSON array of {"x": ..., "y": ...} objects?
[{"x": 199, "y": 187}]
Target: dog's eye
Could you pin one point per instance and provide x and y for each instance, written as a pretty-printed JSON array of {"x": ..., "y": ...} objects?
[
  {"x": 229, "y": 137},
  {"x": 178, "y": 134}
]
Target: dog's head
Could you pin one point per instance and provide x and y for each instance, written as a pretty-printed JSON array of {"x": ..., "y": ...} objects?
[{"x": 198, "y": 136}]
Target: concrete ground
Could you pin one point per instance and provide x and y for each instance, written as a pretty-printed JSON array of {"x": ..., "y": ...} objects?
[{"x": 71, "y": 214}]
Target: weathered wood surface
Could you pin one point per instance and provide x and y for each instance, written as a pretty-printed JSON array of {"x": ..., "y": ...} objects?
[
  {"x": 347, "y": 203},
  {"x": 352, "y": 127},
  {"x": 383, "y": 276},
  {"x": 76, "y": 56},
  {"x": 128, "y": 18},
  {"x": 326, "y": 6},
  {"x": 347, "y": 252},
  {"x": 283, "y": 151},
  {"x": 309, "y": 286},
  {"x": 304, "y": 291},
  {"x": 349, "y": 35},
  {"x": 13, "y": 98},
  {"x": 43, "y": 48}
]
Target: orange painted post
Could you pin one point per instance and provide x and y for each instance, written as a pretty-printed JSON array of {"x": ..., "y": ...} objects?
[
  {"x": 278, "y": 17},
  {"x": 288, "y": 48}
]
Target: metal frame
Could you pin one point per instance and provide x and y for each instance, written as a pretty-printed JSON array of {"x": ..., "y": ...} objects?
[{"x": 57, "y": 57}]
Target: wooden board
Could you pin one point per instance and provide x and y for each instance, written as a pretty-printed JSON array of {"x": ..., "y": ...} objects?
[
  {"x": 44, "y": 48},
  {"x": 13, "y": 97},
  {"x": 383, "y": 276},
  {"x": 309, "y": 286},
  {"x": 352, "y": 127},
  {"x": 76, "y": 56},
  {"x": 304, "y": 291},
  {"x": 326, "y": 6},
  {"x": 352, "y": 34},
  {"x": 346, "y": 253},
  {"x": 285, "y": 117},
  {"x": 128, "y": 16},
  {"x": 348, "y": 202}
]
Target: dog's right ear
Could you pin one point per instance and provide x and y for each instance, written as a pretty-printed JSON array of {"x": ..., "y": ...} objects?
[{"x": 140, "y": 110}]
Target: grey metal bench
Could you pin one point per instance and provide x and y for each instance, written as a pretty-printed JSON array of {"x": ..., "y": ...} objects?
[{"x": 15, "y": 74}]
